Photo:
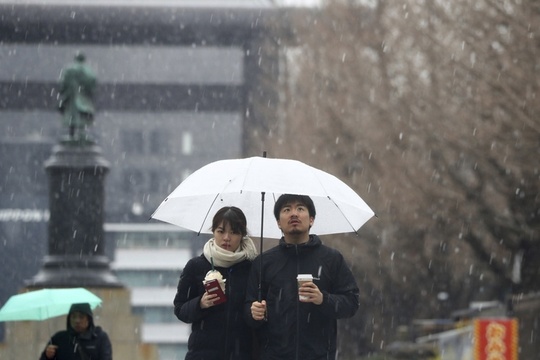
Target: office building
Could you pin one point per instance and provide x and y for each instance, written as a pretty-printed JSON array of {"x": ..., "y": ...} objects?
[{"x": 180, "y": 84}]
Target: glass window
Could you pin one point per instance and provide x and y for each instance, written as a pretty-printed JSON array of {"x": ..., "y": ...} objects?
[
  {"x": 137, "y": 278},
  {"x": 159, "y": 142},
  {"x": 134, "y": 181},
  {"x": 132, "y": 141},
  {"x": 155, "y": 240},
  {"x": 155, "y": 314},
  {"x": 172, "y": 352},
  {"x": 187, "y": 143}
]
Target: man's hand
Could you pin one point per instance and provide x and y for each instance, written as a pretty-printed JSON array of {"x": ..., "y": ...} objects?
[
  {"x": 310, "y": 293},
  {"x": 258, "y": 310},
  {"x": 50, "y": 351}
]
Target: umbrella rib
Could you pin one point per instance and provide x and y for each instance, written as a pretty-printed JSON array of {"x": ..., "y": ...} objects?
[
  {"x": 248, "y": 168},
  {"x": 346, "y": 218},
  {"x": 207, "y": 213},
  {"x": 336, "y": 205}
]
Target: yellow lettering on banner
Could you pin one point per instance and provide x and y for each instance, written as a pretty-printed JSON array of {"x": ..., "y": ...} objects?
[
  {"x": 495, "y": 348},
  {"x": 495, "y": 330},
  {"x": 495, "y": 356},
  {"x": 496, "y": 345}
]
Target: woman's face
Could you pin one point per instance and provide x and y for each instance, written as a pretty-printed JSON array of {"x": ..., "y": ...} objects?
[{"x": 226, "y": 239}]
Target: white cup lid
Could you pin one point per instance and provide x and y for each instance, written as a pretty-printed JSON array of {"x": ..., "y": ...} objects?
[{"x": 304, "y": 277}]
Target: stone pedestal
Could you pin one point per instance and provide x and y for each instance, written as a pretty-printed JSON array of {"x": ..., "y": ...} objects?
[{"x": 76, "y": 200}]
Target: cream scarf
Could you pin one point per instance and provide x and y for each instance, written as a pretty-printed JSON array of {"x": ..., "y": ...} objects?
[{"x": 224, "y": 258}]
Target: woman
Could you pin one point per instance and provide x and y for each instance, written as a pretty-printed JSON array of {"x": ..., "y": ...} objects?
[{"x": 218, "y": 331}]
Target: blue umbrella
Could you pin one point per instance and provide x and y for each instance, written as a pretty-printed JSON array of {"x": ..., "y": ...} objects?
[{"x": 46, "y": 303}]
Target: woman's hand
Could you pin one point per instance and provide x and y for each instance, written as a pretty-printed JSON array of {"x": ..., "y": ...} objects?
[{"x": 207, "y": 300}]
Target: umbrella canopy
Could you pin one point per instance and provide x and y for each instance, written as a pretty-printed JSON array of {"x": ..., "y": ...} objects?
[
  {"x": 46, "y": 303},
  {"x": 240, "y": 182}
]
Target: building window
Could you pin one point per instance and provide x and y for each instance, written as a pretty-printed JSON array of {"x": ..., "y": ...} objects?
[
  {"x": 133, "y": 141},
  {"x": 187, "y": 143},
  {"x": 185, "y": 173},
  {"x": 133, "y": 181},
  {"x": 159, "y": 142},
  {"x": 149, "y": 278}
]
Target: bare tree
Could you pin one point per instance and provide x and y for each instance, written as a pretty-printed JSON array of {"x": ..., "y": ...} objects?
[{"x": 426, "y": 108}]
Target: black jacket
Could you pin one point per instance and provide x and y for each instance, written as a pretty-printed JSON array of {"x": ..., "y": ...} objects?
[
  {"x": 94, "y": 343},
  {"x": 219, "y": 332},
  {"x": 295, "y": 330}
]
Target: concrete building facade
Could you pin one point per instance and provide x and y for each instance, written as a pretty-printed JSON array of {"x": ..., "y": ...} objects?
[{"x": 180, "y": 84}]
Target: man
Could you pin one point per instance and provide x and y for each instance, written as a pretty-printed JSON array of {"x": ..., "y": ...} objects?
[
  {"x": 81, "y": 341},
  {"x": 289, "y": 327}
]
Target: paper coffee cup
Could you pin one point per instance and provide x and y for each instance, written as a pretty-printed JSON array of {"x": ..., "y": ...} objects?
[{"x": 303, "y": 278}]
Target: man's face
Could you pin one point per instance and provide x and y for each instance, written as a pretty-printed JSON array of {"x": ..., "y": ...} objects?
[
  {"x": 79, "y": 321},
  {"x": 294, "y": 219}
]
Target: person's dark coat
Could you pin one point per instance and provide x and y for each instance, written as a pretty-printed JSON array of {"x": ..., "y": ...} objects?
[
  {"x": 219, "y": 332},
  {"x": 296, "y": 330},
  {"x": 93, "y": 344}
]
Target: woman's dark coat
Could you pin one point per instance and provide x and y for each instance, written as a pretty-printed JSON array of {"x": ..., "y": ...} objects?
[
  {"x": 219, "y": 332},
  {"x": 296, "y": 330}
]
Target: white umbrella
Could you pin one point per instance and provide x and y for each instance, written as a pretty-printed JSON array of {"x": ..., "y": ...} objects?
[{"x": 254, "y": 184}]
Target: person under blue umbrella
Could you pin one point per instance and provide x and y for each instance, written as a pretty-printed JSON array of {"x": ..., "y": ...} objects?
[{"x": 82, "y": 339}]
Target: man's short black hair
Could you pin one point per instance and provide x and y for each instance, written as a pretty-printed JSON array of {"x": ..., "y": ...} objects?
[{"x": 286, "y": 199}]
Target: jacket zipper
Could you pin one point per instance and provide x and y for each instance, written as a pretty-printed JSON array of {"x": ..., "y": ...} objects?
[
  {"x": 228, "y": 292},
  {"x": 297, "y": 307}
]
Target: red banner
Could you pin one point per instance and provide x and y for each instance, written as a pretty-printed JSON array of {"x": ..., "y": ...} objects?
[{"x": 495, "y": 339}]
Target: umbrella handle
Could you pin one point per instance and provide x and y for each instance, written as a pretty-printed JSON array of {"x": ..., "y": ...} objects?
[{"x": 261, "y": 246}]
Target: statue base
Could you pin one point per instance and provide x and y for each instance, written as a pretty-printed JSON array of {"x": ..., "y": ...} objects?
[
  {"x": 80, "y": 141},
  {"x": 76, "y": 254},
  {"x": 75, "y": 271}
]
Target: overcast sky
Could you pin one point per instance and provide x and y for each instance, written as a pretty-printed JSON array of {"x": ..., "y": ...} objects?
[{"x": 249, "y": 3}]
